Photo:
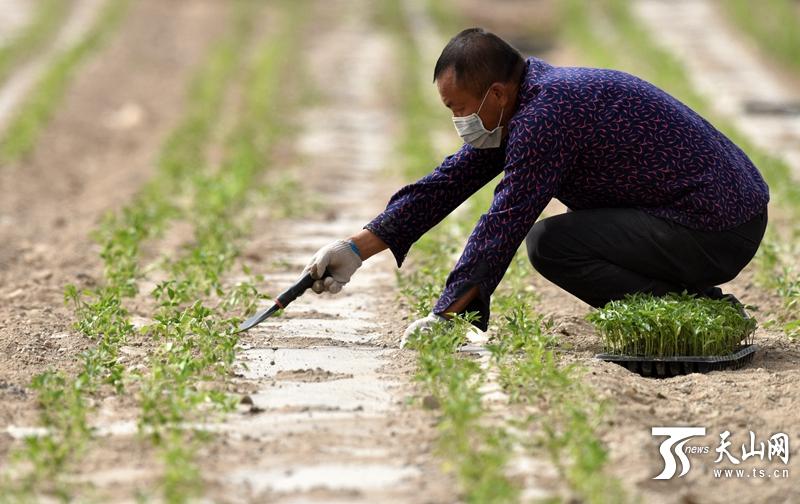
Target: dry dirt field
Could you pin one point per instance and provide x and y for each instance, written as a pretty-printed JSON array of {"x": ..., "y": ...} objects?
[{"x": 323, "y": 404}]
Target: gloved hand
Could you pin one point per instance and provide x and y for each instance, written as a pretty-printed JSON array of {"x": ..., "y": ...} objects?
[
  {"x": 341, "y": 261},
  {"x": 424, "y": 324}
]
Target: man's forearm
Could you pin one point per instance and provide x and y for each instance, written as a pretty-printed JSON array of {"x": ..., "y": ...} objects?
[
  {"x": 368, "y": 243},
  {"x": 461, "y": 303}
]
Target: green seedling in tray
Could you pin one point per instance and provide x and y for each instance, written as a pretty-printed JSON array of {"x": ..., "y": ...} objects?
[{"x": 672, "y": 325}]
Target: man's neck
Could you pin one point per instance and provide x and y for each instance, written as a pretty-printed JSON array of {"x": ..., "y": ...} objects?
[{"x": 514, "y": 102}]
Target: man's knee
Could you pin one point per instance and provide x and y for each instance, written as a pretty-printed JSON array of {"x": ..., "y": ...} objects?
[{"x": 536, "y": 244}]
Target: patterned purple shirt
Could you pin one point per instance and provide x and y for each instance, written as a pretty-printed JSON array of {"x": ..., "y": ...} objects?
[{"x": 591, "y": 138}]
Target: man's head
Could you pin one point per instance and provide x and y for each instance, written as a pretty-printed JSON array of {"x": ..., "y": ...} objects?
[{"x": 478, "y": 66}]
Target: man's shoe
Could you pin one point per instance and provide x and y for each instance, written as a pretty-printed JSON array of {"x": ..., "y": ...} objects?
[
  {"x": 716, "y": 293},
  {"x": 736, "y": 304},
  {"x": 712, "y": 293}
]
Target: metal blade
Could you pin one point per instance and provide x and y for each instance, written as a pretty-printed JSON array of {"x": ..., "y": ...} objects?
[{"x": 257, "y": 318}]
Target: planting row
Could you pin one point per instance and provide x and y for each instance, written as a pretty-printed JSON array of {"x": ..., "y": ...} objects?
[
  {"x": 34, "y": 113},
  {"x": 190, "y": 338}
]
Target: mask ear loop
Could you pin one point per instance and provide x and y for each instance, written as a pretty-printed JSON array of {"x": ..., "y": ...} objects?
[
  {"x": 481, "y": 106},
  {"x": 501, "y": 117},
  {"x": 484, "y": 99}
]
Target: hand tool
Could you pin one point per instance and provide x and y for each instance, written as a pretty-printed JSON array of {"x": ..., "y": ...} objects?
[{"x": 282, "y": 301}]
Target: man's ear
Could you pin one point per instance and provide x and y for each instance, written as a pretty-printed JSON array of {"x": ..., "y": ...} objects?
[{"x": 500, "y": 92}]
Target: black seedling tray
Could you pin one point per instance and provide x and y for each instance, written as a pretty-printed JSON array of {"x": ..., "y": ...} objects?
[{"x": 666, "y": 367}]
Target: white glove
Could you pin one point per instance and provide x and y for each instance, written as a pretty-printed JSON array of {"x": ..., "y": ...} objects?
[
  {"x": 341, "y": 261},
  {"x": 423, "y": 325}
]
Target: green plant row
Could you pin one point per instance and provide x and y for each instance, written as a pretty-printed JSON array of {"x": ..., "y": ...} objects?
[
  {"x": 782, "y": 275},
  {"x": 626, "y": 44},
  {"x": 100, "y": 312},
  {"x": 560, "y": 414},
  {"x": 43, "y": 25},
  {"x": 477, "y": 454},
  {"x": 671, "y": 325},
  {"x": 197, "y": 339},
  {"x": 565, "y": 415},
  {"x": 27, "y": 124},
  {"x": 65, "y": 402},
  {"x": 773, "y": 24}
]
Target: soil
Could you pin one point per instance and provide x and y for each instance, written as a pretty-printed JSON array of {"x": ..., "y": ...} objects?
[
  {"x": 327, "y": 378},
  {"x": 324, "y": 393},
  {"x": 731, "y": 73},
  {"x": 81, "y": 16},
  {"x": 85, "y": 165},
  {"x": 759, "y": 397},
  {"x": 13, "y": 16}
]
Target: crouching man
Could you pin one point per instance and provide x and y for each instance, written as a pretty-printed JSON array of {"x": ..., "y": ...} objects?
[{"x": 660, "y": 201}]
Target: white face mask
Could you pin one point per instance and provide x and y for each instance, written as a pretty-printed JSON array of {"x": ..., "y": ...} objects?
[{"x": 470, "y": 128}]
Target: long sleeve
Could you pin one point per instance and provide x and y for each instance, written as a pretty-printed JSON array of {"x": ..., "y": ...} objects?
[
  {"x": 419, "y": 206},
  {"x": 537, "y": 156}
]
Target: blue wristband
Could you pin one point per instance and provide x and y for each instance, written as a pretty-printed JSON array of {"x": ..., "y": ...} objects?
[{"x": 355, "y": 249}]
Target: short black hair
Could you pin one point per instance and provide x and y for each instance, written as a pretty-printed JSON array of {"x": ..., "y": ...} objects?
[{"x": 479, "y": 58}]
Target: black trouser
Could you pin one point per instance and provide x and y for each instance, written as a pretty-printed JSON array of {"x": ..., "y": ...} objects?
[{"x": 601, "y": 254}]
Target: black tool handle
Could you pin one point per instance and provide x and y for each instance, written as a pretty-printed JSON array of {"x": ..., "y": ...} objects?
[{"x": 297, "y": 289}]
